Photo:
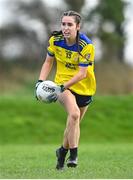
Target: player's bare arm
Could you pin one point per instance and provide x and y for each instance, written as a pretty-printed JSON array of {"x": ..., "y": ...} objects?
[
  {"x": 46, "y": 68},
  {"x": 78, "y": 77}
]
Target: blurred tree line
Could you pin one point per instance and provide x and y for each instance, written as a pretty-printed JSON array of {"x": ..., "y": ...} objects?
[{"x": 24, "y": 38}]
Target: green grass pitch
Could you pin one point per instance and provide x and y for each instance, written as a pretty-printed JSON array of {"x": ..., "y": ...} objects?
[{"x": 95, "y": 161}]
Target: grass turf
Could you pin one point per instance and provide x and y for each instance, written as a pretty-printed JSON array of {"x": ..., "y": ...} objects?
[{"x": 95, "y": 161}]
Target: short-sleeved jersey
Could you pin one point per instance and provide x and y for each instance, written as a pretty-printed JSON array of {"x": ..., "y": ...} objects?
[{"x": 69, "y": 60}]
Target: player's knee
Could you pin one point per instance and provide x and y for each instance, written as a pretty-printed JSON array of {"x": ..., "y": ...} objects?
[{"x": 75, "y": 116}]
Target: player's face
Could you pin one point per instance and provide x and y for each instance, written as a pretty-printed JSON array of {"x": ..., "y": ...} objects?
[{"x": 69, "y": 27}]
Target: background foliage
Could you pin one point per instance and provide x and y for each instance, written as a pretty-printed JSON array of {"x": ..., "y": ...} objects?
[{"x": 23, "y": 42}]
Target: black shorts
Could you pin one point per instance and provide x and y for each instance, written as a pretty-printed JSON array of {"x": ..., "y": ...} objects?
[{"x": 82, "y": 100}]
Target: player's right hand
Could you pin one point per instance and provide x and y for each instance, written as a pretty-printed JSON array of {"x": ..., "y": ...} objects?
[{"x": 36, "y": 85}]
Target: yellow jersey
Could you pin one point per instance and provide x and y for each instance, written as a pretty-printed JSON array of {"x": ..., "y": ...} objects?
[{"x": 68, "y": 61}]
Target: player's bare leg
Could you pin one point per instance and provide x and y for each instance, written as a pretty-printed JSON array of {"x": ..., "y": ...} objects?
[
  {"x": 71, "y": 135},
  {"x": 67, "y": 99},
  {"x": 82, "y": 113},
  {"x": 72, "y": 162},
  {"x": 65, "y": 141}
]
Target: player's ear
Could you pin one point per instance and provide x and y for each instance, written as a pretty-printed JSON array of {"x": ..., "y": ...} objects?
[{"x": 78, "y": 27}]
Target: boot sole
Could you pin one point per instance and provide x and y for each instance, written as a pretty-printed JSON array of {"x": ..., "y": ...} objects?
[{"x": 71, "y": 165}]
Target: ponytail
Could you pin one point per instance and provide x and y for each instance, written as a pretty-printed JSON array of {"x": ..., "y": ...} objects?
[
  {"x": 77, "y": 42},
  {"x": 56, "y": 33}
]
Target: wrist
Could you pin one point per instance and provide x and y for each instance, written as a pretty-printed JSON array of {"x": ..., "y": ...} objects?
[
  {"x": 40, "y": 80},
  {"x": 62, "y": 87}
]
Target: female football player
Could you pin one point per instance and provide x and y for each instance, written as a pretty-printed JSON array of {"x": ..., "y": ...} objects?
[{"x": 73, "y": 52}]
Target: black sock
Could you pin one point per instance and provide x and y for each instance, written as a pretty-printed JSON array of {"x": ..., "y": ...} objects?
[
  {"x": 73, "y": 153},
  {"x": 63, "y": 150}
]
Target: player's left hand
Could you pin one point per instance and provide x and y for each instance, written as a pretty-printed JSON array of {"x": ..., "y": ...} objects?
[
  {"x": 60, "y": 89},
  {"x": 52, "y": 97}
]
